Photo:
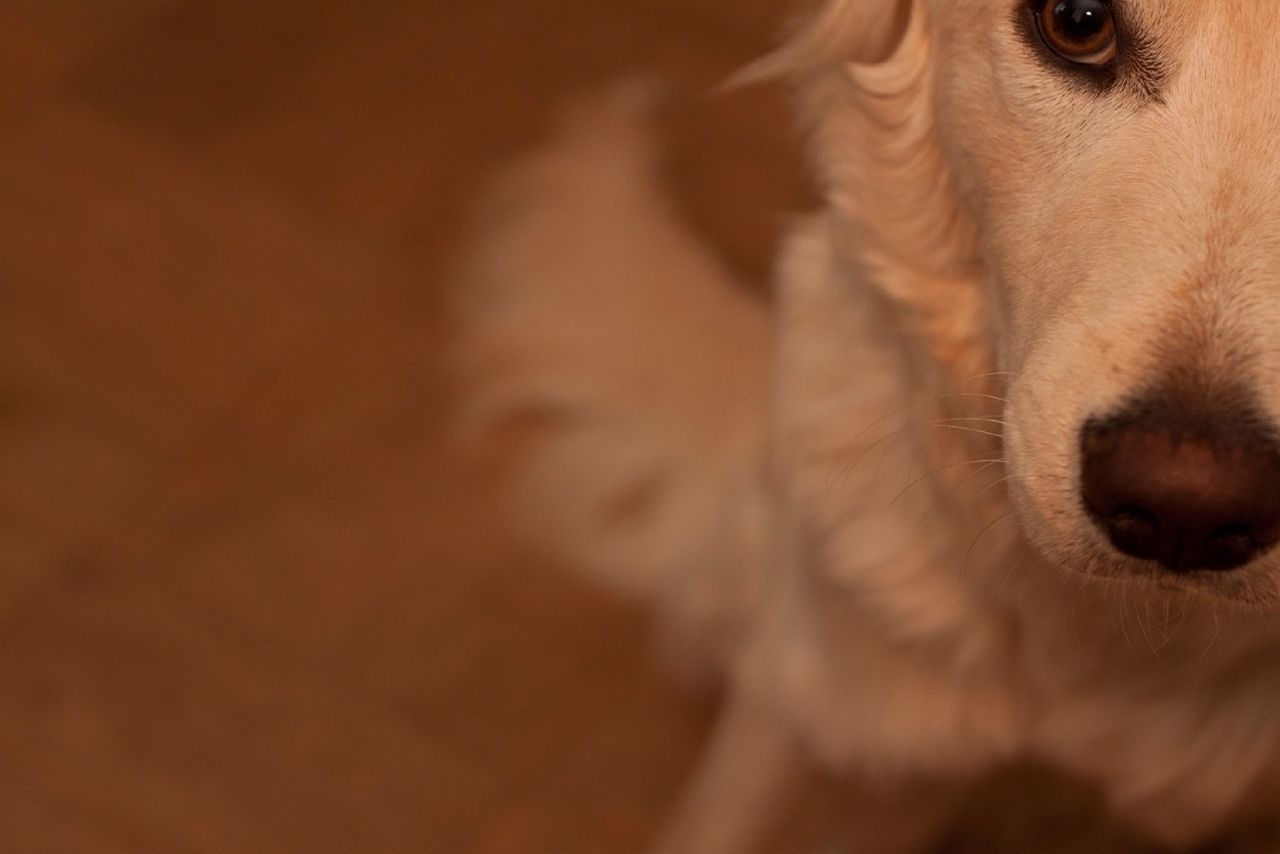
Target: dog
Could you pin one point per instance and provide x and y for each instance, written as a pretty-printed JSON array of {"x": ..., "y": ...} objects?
[{"x": 996, "y": 471}]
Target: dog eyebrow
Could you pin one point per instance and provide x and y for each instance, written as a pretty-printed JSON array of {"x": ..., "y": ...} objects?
[{"x": 1140, "y": 62}]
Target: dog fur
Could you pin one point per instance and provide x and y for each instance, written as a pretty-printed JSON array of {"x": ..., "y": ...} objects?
[{"x": 860, "y": 502}]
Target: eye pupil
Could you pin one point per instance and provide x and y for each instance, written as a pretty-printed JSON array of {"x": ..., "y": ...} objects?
[
  {"x": 1080, "y": 18},
  {"x": 1082, "y": 31}
]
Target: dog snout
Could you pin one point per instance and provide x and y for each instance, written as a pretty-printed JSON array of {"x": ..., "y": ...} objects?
[{"x": 1205, "y": 497}]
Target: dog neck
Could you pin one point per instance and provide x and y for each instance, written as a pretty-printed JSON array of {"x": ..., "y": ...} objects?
[{"x": 905, "y": 544}]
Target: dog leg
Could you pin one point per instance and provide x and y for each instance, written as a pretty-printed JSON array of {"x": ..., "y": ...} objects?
[{"x": 738, "y": 791}]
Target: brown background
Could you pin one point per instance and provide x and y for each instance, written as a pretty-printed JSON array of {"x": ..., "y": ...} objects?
[{"x": 252, "y": 598}]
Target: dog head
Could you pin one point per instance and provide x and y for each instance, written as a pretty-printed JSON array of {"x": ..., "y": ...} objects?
[{"x": 1085, "y": 195}]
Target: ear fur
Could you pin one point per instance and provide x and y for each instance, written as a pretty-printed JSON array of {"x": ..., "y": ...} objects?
[
  {"x": 843, "y": 31},
  {"x": 864, "y": 74}
]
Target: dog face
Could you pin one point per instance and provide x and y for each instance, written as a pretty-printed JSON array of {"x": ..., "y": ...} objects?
[
  {"x": 1121, "y": 163},
  {"x": 1115, "y": 167}
]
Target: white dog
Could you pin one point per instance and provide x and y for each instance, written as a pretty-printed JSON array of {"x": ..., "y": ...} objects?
[{"x": 996, "y": 474}]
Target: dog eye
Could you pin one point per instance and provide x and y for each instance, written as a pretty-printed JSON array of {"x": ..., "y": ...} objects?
[{"x": 1080, "y": 31}]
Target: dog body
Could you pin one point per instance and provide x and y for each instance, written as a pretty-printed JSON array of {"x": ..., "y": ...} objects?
[{"x": 863, "y": 502}]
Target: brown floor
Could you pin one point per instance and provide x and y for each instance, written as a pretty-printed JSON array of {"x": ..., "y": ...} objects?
[{"x": 252, "y": 600}]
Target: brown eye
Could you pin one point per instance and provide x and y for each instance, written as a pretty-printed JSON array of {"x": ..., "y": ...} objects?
[{"x": 1079, "y": 31}]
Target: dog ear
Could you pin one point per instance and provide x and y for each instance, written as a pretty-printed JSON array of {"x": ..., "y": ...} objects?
[
  {"x": 863, "y": 71},
  {"x": 842, "y": 31}
]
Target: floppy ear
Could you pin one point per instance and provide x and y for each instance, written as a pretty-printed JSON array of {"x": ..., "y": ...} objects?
[
  {"x": 864, "y": 75},
  {"x": 842, "y": 31}
]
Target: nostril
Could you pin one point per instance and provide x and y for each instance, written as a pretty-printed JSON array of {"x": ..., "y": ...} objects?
[
  {"x": 1134, "y": 531},
  {"x": 1189, "y": 499},
  {"x": 1231, "y": 546}
]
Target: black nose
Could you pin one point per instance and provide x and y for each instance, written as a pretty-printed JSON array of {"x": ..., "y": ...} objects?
[{"x": 1205, "y": 498}]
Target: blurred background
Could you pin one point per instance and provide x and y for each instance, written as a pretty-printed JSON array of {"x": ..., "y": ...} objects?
[
  {"x": 251, "y": 601},
  {"x": 254, "y": 599}
]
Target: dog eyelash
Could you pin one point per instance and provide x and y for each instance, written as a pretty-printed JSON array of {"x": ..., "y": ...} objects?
[
  {"x": 1099, "y": 78},
  {"x": 1058, "y": 23},
  {"x": 1136, "y": 63}
]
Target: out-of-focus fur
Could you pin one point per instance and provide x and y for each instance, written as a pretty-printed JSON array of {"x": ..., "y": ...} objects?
[
  {"x": 860, "y": 502},
  {"x": 591, "y": 310}
]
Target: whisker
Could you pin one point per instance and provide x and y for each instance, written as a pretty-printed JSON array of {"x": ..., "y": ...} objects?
[
  {"x": 861, "y": 433},
  {"x": 939, "y": 469},
  {"x": 965, "y": 429},
  {"x": 951, "y": 490},
  {"x": 852, "y": 465},
  {"x": 1146, "y": 631},
  {"x": 992, "y": 485},
  {"x": 1013, "y": 568},
  {"x": 974, "y": 394},
  {"x": 981, "y": 418},
  {"x": 964, "y": 564},
  {"x": 989, "y": 375},
  {"x": 1217, "y": 630},
  {"x": 1124, "y": 610},
  {"x": 840, "y": 472}
]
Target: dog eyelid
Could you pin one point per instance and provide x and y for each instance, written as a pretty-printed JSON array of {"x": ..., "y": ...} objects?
[
  {"x": 1133, "y": 62},
  {"x": 1081, "y": 32}
]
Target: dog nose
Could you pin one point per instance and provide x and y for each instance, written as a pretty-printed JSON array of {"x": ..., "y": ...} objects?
[{"x": 1190, "y": 500}]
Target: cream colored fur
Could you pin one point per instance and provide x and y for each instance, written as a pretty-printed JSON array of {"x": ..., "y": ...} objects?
[{"x": 860, "y": 501}]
